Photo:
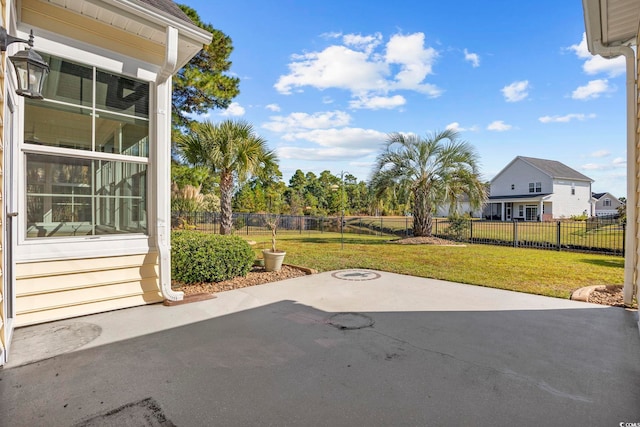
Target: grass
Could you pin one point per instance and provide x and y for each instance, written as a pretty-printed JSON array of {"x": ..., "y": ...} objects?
[{"x": 542, "y": 272}]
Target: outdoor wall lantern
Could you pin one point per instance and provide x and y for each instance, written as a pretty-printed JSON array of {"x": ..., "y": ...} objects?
[{"x": 31, "y": 70}]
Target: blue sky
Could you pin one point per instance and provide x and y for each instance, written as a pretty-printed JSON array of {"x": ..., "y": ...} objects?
[{"x": 324, "y": 82}]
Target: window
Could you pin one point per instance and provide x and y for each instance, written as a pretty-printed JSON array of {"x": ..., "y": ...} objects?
[
  {"x": 535, "y": 187},
  {"x": 607, "y": 202},
  {"x": 573, "y": 189},
  {"x": 521, "y": 211},
  {"x": 86, "y": 147}
]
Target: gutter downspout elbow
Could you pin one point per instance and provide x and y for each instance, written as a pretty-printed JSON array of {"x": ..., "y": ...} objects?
[{"x": 631, "y": 238}]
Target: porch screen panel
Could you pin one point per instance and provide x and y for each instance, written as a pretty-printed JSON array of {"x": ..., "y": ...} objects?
[{"x": 94, "y": 182}]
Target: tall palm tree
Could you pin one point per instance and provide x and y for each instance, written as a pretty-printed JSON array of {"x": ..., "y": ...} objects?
[
  {"x": 437, "y": 169},
  {"x": 230, "y": 149}
]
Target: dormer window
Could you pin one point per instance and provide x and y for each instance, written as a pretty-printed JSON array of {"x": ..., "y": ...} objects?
[{"x": 607, "y": 202}]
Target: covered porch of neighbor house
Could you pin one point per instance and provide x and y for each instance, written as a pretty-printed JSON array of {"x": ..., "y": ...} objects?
[{"x": 519, "y": 208}]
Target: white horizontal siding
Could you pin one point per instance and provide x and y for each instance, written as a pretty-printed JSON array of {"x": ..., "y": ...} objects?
[{"x": 54, "y": 290}]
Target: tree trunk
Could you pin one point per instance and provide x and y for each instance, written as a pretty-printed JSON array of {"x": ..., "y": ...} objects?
[
  {"x": 226, "y": 194},
  {"x": 422, "y": 219}
]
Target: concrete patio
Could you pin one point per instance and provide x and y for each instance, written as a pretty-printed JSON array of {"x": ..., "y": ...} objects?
[{"x": 353, "y": 347}]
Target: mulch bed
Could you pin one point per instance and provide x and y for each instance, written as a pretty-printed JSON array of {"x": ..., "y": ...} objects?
[
  {"x": 426, "y": 241},
  {"x": 609, "y": 295},
  {"x": 257, "y": 276}
]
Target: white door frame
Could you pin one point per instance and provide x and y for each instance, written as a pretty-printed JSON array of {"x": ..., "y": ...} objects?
[{"x": 8, "y": 217}]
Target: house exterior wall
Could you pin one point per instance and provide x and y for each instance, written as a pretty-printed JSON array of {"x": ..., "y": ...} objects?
[
  {"x": 463, "y": 209},
  {"x": 3, "y": 304},
  {"x": 66, "y": 288},
  {"x": 566, "y": 204},
  {"x": 519, "y": 174},
  {"x": 64, "y": 277}
]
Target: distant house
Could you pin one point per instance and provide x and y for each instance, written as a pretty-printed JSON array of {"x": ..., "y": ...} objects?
[
  {"x": 606, "y": 204},
  {"x": 530, "y": 189},
  {"x": 463, "y": 207}
]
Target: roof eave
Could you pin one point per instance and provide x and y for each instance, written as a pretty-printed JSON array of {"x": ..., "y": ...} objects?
[{"x": 159, "y": 17}]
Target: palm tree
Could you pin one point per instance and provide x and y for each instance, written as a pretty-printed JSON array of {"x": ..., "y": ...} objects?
[
  {"x": 435, "y": 170},
  {"x": 230, "y": 149}
]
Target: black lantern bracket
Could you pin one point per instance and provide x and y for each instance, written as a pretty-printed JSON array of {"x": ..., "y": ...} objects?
[{"x": 31, "y": 70}]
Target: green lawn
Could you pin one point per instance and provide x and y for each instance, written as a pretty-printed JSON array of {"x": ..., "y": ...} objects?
[{"x": 542, "y": 272}]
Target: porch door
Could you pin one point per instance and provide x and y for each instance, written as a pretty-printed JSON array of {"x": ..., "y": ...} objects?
[
  {"x": 531, "y": 213},
  {"x": 10, "y": 222},
  {"x": 508, "y": 208}
]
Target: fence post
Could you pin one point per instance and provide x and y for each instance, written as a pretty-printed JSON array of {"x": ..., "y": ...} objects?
[
  {"x": 515, "y": 234},
  {"x": 624, "y": 237},
  {"x": 470, "y": 230},
  {"x": 436, "y": 221},
  {"x": 300, "y": 221},
  {"x": 406, "y": 226},
  {"x": 558, "y": 233}
]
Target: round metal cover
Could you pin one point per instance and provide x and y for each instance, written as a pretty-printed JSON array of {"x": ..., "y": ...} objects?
[
  {"x": 350, "y": 321},
  {"x": 356, "y": 275}
]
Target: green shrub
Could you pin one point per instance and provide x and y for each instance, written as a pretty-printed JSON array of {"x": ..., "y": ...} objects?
[
  {"x": 582, "y": 217},
  {"x": 198, "y": 257},
  {"x": 458, "y": 227}
]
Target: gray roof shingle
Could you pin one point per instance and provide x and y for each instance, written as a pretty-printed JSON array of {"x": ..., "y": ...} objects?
[
  {"x": 168, "y": 6},
  {"x": 555, "y": 168}
]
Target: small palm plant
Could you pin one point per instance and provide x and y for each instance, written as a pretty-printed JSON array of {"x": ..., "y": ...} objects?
[
  {"x": 273, "y": 258},
  {"x": 272, "y": 221}
]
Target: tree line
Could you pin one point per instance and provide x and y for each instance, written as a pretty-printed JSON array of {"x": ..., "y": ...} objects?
[{"x": 227, "y": 166}]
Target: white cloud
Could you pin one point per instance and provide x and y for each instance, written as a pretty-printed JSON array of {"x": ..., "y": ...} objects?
[
  {"x": 566, "y": 118},
  {"x": 516, "y": 91},
  {"x": 455, "y": 126},
  {"x": 366, "y": 67},
  {"x": 415, "y": 61},
  {"x": 378, "y": 102},
  {"x": 333, "y": 144},
  {"x": 619, "y": 162},
  {"x": 472, "y": 57},
  {"x": 592, "y": 166},
  {"x": 273, "y": 107},
  {"x": 234, "y": 109},
  {"x": 591, "y": 90},
  {"x": 600, "y": 153},
  {"x": 365, "y": 43},
  {"x": 302, "y": 121},
  {"x": 597, "y": 64},
  {"x": 616, "y": 163},
  {"x": 499, "y": 126},
  {"x": 345, "y": 137},
  {"x": 316, "y": 154}
]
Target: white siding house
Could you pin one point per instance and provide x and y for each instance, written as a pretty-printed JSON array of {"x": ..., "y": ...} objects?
[{"x": 531, "y": 189}]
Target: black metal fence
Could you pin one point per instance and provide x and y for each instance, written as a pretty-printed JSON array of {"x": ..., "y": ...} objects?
[{"x": 606, "y": 236}]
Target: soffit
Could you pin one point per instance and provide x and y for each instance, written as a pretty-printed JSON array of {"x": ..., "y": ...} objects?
[
  {"x": 617, "y": 20},
  {"x": 128, "y": 26}
]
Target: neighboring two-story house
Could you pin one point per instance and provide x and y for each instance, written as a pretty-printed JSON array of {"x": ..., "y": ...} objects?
[
  {"x": 530, "y": 189},
  {"x": 606, "y": 204}
]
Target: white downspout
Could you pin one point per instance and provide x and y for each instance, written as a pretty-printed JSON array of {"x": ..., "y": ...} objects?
[
  {"x": 163, "y": 166},
  {"x": 631, "y": 243}
]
